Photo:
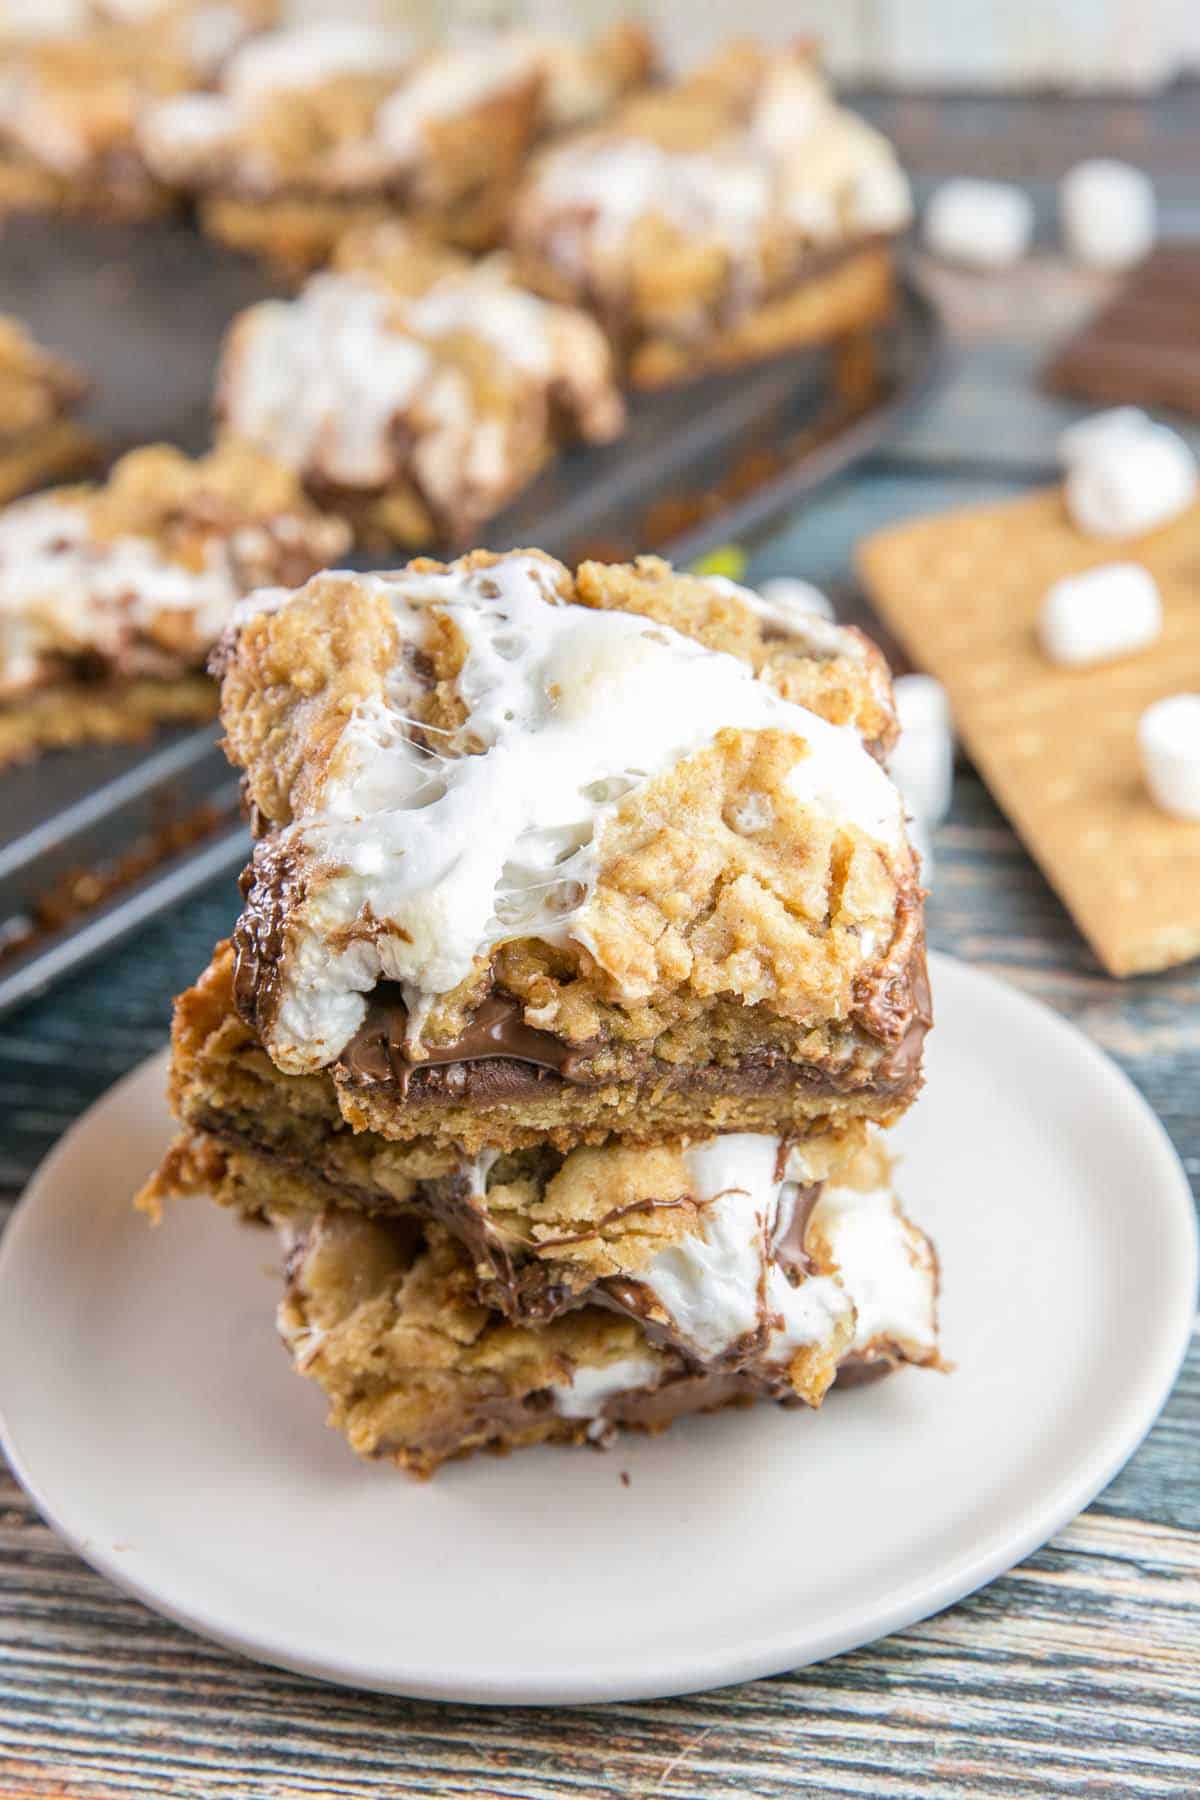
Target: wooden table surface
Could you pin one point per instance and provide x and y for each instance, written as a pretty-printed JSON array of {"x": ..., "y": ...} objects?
[{"x": 1076, "y": 1674}]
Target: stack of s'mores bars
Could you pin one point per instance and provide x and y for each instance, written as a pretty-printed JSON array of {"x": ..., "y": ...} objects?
[{"x": 579, "y": 974}]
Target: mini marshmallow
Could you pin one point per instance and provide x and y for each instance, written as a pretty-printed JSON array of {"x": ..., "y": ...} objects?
[
  {"x": 983, "y": 224},
  {"x": 1169, "y": 743},
  {"x": 1107, "y": 213},
  {"x": 922, "y": 763},
  {"x": 921, "y": 839},
  {"x": 1100, "y": 615},
  {"x": 789, "y": 594},
  {"x": 1116, "y": 425},
  {"x": 1131, "y": 482}
]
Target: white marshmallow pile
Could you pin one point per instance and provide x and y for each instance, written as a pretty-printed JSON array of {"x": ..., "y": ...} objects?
[
  {"x": 981, "y": 224},
  {"x": 1169, "y": 745},
  {"x": 1125, "y": 474},
  {"x": 1107, "y": 213},
  {"x": 1100, "y": 615}
]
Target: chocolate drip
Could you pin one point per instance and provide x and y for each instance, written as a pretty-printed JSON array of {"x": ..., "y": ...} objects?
[
  {"x": 271, "y": 889},
  {"x": 790, "y": 1253},
  {"x": 378, "y": 1050}
]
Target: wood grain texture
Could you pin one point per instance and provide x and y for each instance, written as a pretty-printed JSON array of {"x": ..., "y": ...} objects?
[{"x": 1076, "y": 1675}]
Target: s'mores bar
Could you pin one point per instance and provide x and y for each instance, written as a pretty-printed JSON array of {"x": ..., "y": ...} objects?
[
  {"x": 580, "y": 963},
  {"x": 319, "y": 127},
  {"x": 40, "y": 441},
  {"x": 412, "y": 392},
  {"x": 71, "y": 101},
  {"x": 112, "y": 596},
  {"x": 737, "y": 214},
  {"x": 743, "y": 1286},
  {"x": 536, "y": 865}
]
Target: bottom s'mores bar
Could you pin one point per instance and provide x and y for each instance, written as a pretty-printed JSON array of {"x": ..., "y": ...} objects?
[{"x": 756, "y": 1287}]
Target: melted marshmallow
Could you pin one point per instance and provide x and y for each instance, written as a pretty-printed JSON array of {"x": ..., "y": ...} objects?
[
  {"x": 882, "y": 1264},
  {"x": 448, "y": 83},
  {"x": 320, "y": 381},
  {"x": 585, "y": 1395},
  {"x": 572, "y": 708},
  {"x": 61, "y": 590},
  {"x": 306, "y": 56},
  {"x": 719, "y": 1282}
]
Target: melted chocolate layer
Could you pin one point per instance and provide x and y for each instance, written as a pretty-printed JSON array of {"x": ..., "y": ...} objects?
[{"x": 378, "y": 1053}]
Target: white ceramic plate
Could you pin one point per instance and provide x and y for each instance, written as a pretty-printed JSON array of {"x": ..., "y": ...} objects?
[{"x": 151, "y": 1413}]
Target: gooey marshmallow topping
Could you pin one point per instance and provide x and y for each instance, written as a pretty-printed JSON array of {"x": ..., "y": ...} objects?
[{"x": 569, "y": 710}]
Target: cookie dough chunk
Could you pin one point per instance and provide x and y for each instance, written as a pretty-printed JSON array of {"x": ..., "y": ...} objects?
[
  {"x": 738, "y": 214},
  {"x": 412, "y": 392},
  {"x": 111, "y": 597},
  {"x": 532, "y": 867},
  {"x": 317, "y": 128}
]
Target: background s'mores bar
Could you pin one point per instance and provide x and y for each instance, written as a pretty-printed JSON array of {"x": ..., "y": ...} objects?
[
  {"x": 413, "y": 392},
  {"x": 738, "y": 213},
  {"x": 318, "y": 127},
  {"x": 71, "y": 100},
  {"x": 111, "y": 597}
]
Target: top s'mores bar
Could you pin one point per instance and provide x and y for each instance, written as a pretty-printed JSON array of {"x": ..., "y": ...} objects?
[
  {"x": 71, "y": 100},
  {"x": 319, "y": 127},
  {"x": 737, "y": 214},
  {"x": 549, "y": 858}
]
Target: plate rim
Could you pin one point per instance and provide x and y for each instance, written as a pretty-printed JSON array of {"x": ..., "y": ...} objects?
[{"x": 768, "y": 1653}]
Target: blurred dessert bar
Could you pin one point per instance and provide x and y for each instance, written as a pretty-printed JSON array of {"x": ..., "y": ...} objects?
[
  {"x": 319, "y": 127},
  {"x": 111, "y": 597},
  {"x": 739, "y": 213},
  {"x": 40, "y": 440},
  {"x": 70, "y": 101},
  {"x": 413, "y": 392},
  {"x": 746, "y": 1287}
]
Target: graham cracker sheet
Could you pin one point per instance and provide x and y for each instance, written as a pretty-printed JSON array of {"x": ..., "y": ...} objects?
[{"x": 1056, "y": 746}]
